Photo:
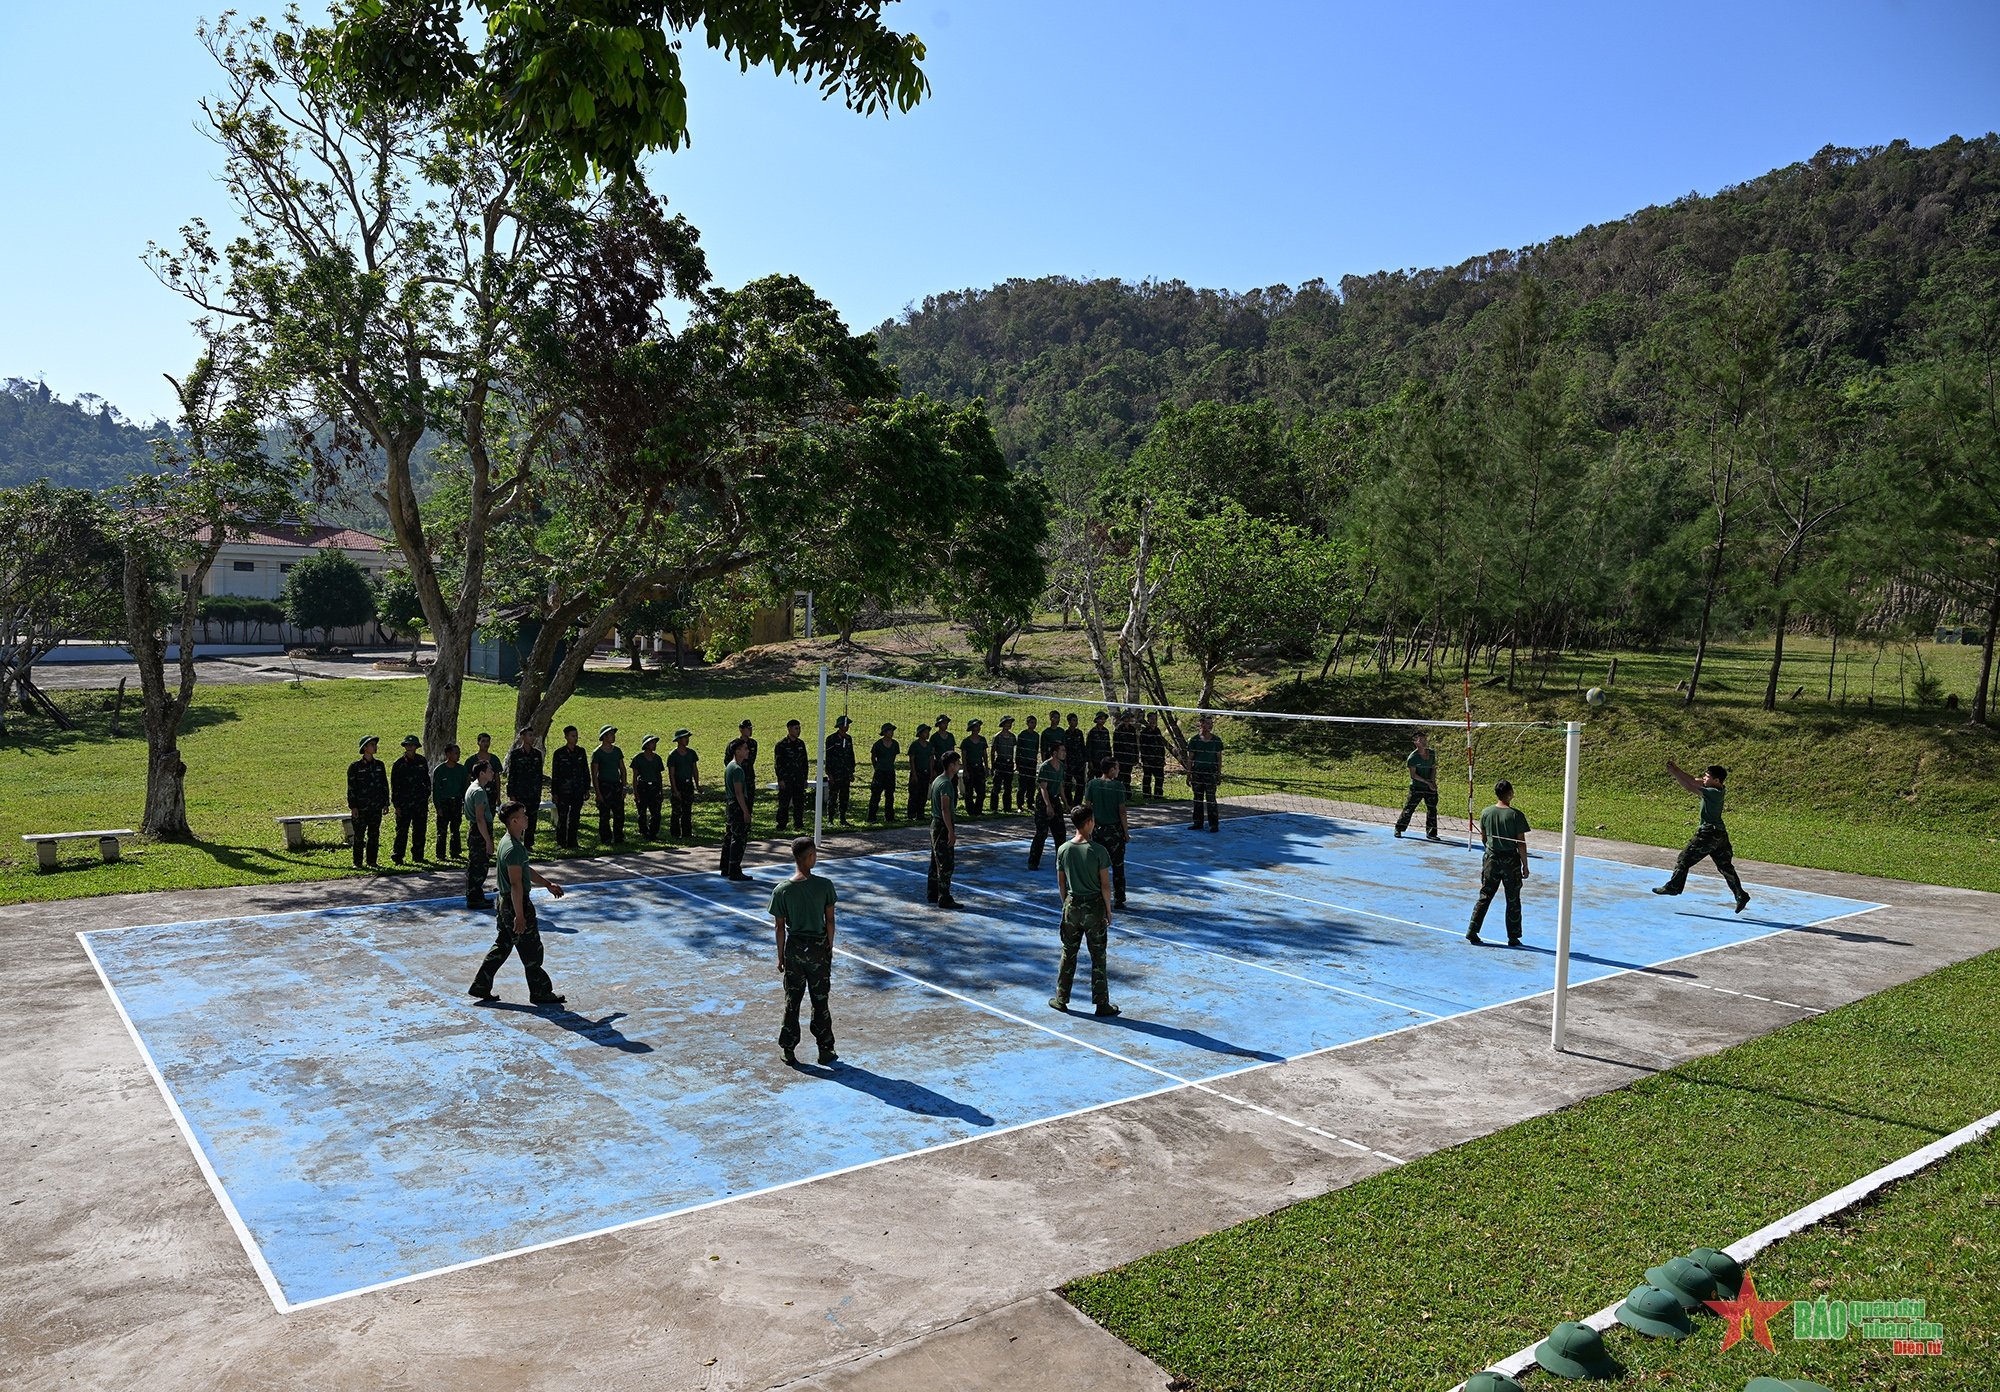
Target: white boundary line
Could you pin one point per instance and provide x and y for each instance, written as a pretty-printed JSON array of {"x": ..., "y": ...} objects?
[
  {"x": 1202, "y": 1086},
  {"x": 250, "y": 1248},
  {"x": 284, "y": 1306},
  {"x": 1743, "y": 1249}
]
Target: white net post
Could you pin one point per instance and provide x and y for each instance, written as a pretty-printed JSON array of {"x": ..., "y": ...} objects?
[
  {"x": 1566, "y": 876},
  {"x": 819, "y": 762}
]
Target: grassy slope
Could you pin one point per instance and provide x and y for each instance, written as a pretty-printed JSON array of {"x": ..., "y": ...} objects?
[
  {"x": 1416, "y": 1277},
  {"x": 1887, "y": 791}
]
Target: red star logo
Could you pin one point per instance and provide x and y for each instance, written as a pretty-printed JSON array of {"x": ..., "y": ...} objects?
[{"x": 1747, "y": 1306}]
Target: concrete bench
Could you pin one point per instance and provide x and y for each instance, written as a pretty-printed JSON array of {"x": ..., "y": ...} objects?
[
  {"x": 46, "y": 843},
  {"x": 295, "y": 828}
]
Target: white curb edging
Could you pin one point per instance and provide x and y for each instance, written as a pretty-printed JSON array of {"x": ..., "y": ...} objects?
[{"x": 1817, "y": 1211}]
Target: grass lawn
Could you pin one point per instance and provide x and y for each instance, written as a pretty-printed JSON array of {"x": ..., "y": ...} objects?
[
  {"x": 1421, "y": 1275},
  {"x": 1886, "y": 790}
]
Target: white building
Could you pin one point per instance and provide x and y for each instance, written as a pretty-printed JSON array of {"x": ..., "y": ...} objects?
[{"x": 255, "y": 567}]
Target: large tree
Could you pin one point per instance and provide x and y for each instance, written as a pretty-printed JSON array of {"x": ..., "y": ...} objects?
[
  {"x": 60, "y": 571},
  {"x": 597, "y": 83},
  {"x": 395, "y": 269},
  {"x": 214, "y": 482}
]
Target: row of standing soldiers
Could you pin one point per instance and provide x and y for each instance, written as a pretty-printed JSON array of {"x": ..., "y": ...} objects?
[{"x": 998, "y": 774}]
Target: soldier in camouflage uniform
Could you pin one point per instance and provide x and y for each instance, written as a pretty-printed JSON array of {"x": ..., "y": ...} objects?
[
  {"x": 1076, "y": 761},
  {"x": 944, "y": 831},
  {"x": 410, "y": 795},
  {"x": 920, "y": 772},
  {"x": 607, "y": 786},
  {"x": 839, "y": 766},
  {"x": 367, "y": 800},
  {"x": 803, "y": 915},
  {"x": 449, "y": 781},
  {"x": 1125, "y": 748},
  {"x": 1505, "y": 865},
  {"x": 1152, "y": 758},
  {"x": 882, "y": 774},
  {"x": 569, "y": 785},
  {"x": 1027, "y": 758},
  {"x": 792, "y": 762},
  {"x": 524, "y": 779},
  {"x": 649, "y": 786},
  {"x": 1423, "y": 767},
  {"x": 683, "y": 782},
  {"x": 972, "y": 750},
  {"x": 1711, "y": 837},
  {"x": 1097, "y": 744}
]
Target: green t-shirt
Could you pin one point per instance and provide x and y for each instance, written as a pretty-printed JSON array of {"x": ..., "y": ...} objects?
[
  {"x": 608, "y": 763},
  {"x": 478, "y": 804},
  {"x": 1423, "y": 767},
  {"x": 1504, "y": 827},
  {"x": 738, "y": 777},
  {"x": 448, "y": 785},
  {"x": 1080, "y": 863},
  {"x": 803, "y": 903},
  {"x": 1207, "y": 752},
  {"x": 920, "y": 758},
  {"x": 1049, "y": 778},
  {"x": 680, "y": 766},
  {"x": 942, "y": 743},
  {"x": 648, "y": 769},
  {"x": 1052, "y": 738},
  {"x": 944, "y": 796},
  {"x": 1105, "y": 796},
  {"x": 1711, "y": 807},
  {"x": 882, "y": 754},
  {"x": 973, "y": 751},
  {"x": 508, "y": 854},
  {"x": 1003, "y": 747}
]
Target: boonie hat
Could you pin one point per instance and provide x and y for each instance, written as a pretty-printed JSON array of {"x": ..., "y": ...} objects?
[
  {"x": 887, "y": 728},
  {"x": 1491, "y": 1381},
  {"x": 841, "y": 721},
  {"x": 1653, "y": 1311},
  {"x": 604, "y": 730},
  {"x": 1727, "y": 1271},
  {"x": 1687, "y": 1281},
  {"x": 973, "y": 723},
  {"x": 683, "y": 734},
  {"x": 1006, "y": 720},
  {"x": 1575, "y": 1350},
  {"x": 411, "y": 742},
  {"x": 649, "y": 741},
  {"x": 367, "y": 740},
  {"x": 1771, "y": 1384}
]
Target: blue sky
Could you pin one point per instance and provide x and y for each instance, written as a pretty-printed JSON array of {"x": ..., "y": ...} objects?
[{"x": 1231, "y": 144}]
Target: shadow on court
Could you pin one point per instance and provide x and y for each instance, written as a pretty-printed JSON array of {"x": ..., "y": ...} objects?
[
  {"x": 899, "y": 1093},
  {"x": 1844, "y": 934},
  {"x": 596, "y": 1031},
  {"x": 1192, "y": 1037}
]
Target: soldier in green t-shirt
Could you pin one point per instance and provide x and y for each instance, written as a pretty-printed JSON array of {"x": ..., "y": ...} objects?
[
  {"x": 1711, "y": 837},
  {"x": 802, "y": 915},
  {"x": 1107, "y": 796},
  {"x": 1083, "y": 878},
  {"x": 516, "y": 928},
  {"x": 607, "y": 786},
  {"x": 942, "y": 741},
  {"x": 479, "y": 841},
  {"x": 1027, "y": 759},
  {"x": 649, "y": 786},
  {"x": 1049, "y": 783},
  {"x": 449, "y": 781},
  {"x": 1423, "y": 765},
  {"x": 1505, "y": 832},
  {"x": 882, "y": 774},
  {"x": 737, "y": 795},
  {"x": 683, "y": 782},
  {"x": 920, "y": 772},
  {"x": 1205, "y": 773},
  {"x": 972, "y": 751},
  {"x": 1004, "y": 744},
  {"x": 944, "y": 832}
]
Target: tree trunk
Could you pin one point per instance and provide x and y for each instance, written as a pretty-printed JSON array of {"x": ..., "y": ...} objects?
[
  {"x": 447, "y": 685},
  {"x": 166, "y": 778},
  {"x": 1777, "y": 654},
  {"x": 994, "y": 651},
  {"x": 1984, "y": 689}
]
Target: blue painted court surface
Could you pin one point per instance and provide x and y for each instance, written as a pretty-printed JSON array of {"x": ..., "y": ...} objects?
[{"x": 365, "y": 1121}]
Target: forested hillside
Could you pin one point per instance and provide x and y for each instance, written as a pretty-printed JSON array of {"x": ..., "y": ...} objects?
[
  {"x": 1770, "y": 409},
  {"x": 84, "y": 443},
  {"x": 1067, "y": 362}
]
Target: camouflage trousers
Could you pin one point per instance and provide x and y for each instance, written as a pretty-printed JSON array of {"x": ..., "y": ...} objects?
[
  {"x": 1495, "y": 876},
  {"x": 1083, "y": 926},
  {"x": 1711, "y": 842},
  {"x": 808, "y": 972},
  {"x": 944, "y": 861},
  {"x": 1429, "y": 798}
]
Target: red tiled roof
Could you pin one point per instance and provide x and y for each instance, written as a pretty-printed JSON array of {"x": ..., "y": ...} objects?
[{"x": 341, "y": 538}]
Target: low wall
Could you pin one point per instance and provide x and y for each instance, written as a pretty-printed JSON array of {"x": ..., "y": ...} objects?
[{"x": 116, "y": 652}]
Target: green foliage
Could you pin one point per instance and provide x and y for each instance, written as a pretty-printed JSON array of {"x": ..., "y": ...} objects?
[
  {"x": 595, "y": 84},
  {"x": 397, "y": 604},
  {"x": 84, "y": 443},
  {"x": 234, "y": 609},
  {"x": 326, "y": 591},
  {"x": 61, "y": 574}
]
